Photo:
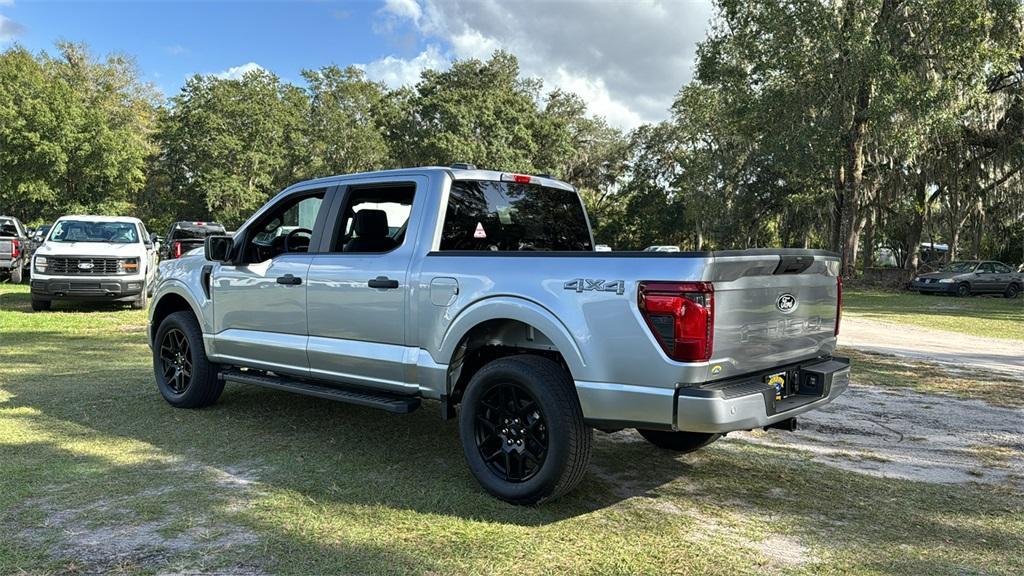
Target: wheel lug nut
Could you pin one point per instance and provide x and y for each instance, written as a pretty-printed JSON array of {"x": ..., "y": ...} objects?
[{"x": 519, "y": 442}]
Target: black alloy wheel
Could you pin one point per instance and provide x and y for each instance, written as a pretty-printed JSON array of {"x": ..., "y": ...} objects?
[
  {"x": 176, "y": 361},
  {"x": 511, "y": 433}
]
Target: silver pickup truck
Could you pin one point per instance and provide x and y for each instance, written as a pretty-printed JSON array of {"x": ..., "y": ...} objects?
[{"x": 481, "y": 291}]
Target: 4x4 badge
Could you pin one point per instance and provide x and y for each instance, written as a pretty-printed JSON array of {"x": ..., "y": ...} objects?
[{"x": 581, "y": 285}]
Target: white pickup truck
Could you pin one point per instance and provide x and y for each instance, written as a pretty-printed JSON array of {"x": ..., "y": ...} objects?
[
  {"x": 94, "y": 258},
  {"x": 482, "y": 291}
]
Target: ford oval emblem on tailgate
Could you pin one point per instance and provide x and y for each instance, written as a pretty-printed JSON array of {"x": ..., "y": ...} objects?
[
  {"x": 85, "y": 265},
  {"x": 786, "y": 303}
]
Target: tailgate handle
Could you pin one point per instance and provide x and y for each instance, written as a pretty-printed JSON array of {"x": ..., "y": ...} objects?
[{"x": 793, "y": 264}]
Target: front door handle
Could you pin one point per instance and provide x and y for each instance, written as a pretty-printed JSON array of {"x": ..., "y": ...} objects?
[
  {"x": 289, "y": 280},
  {"x": 383, "y": 282}
]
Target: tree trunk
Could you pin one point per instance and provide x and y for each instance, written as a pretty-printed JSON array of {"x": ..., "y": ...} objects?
[
  {"x": 916, "y": 227},
  {"x": 869, "y": 238}
]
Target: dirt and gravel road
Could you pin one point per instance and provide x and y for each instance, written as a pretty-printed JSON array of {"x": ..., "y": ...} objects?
[{"x": 948, "y": 348}]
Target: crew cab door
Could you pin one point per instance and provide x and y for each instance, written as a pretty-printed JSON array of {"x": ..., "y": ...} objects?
[
  {"x": 259, "y": 300},
  {"x": 358, "y": 291}
]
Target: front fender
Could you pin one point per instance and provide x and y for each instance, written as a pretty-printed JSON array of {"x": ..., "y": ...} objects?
[
  {"x": 512, "y": 308},
  {"x": 201, "y": 306}
]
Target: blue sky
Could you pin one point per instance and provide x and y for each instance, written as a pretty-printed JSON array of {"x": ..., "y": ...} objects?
[{"x": 626, "y": 58}]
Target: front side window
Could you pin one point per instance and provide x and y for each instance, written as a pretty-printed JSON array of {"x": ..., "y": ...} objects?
[
  {"x": 487, "y": 215},
  {"x": 287, "y": 227},
  {"x": 86, "y": 231},
  {"x": 986, "y": 268}
]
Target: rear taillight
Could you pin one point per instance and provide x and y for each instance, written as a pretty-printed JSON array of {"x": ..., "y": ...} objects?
[
  {"x": 681, "y": 315},
  {"x": 177, "y": 249},
  {"x": 15, "y": 248},
  {"x": 839, "y": 302}
]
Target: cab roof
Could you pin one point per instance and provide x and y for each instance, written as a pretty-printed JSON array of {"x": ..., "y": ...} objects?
[
  {"x": 95, "y": 218},
  {"x": 456, "y": 173}
]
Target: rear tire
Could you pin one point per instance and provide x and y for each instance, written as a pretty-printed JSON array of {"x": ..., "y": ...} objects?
[
  {"x": 522, "y": 430},
  {"x": 185, "y": 376},
  {"x": 682, "y": 442},
  {"x": 1012, "y": 291},
  {"x": 39, "y": 305},
  {"x": 16, "y": 275},
  {"x": 963, "y": 290}
]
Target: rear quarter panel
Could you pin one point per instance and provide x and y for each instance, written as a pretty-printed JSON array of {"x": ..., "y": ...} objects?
[{"x": 601, "y": 334}]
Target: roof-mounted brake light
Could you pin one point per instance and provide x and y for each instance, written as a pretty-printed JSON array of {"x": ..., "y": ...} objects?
[{"x": 519, "y": 178}]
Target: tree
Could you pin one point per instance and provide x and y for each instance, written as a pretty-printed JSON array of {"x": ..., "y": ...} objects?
[
  {"x": 75, "y": 132},
  {"x": 228, "y": 145}
]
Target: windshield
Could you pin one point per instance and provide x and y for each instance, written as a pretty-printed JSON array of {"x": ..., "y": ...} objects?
[
  {"x": 960, "y": 267},
  {"x": 85, "y": 231},
  {"x": 502, "y": 216}
]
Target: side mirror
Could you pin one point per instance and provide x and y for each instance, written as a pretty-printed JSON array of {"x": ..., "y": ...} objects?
[
  {"x": 155, "y": 238},
  {"x": 218, "y": 248}
]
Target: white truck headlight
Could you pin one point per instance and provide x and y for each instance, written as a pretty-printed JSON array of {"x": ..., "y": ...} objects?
[
  {"x": 40, "y": 265},
  {"x": 127, "y": 265},
  {"x": 946, "y": 281}
]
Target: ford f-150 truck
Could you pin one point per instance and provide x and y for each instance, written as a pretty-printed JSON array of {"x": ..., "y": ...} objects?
[
  {"x": 482, "y": 291},
  {"x": 94, "y": 258}
]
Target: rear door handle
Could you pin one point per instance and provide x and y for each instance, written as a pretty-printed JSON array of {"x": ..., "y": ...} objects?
[
  {"x": 383, "y": 282},
  {"x": 289, "y": 280}
]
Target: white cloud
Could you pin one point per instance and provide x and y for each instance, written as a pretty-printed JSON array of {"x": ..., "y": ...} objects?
[
  {"x": 626, "y": 59},
  {"x": 397, "y": 72},
  {"x": 236, "y": 72},
  {"x": 9, "y": 29},
  {"x": 176, "y": 50},
  {"x": 6, "y": 2},
  {"x": 409, "y": 9}
]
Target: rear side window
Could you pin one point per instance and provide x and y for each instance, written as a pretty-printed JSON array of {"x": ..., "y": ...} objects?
[{"x": 504, "y": 216}]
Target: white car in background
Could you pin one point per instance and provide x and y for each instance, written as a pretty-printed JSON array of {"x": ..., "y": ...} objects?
[
  {"x": 662, "y": 249},
  {"x": 94, "y": 258}
]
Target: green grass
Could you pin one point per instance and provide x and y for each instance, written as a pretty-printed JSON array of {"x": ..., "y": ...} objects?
[
  {"x": 994, "y": 317},
  {"x": 269, "y": 482}
]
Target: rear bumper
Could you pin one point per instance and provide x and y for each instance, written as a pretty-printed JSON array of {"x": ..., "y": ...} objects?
[
  {"x": 88, "y": 289},
  {"x": 938, "y": 287},
  {"x": 740, "y": 404}
]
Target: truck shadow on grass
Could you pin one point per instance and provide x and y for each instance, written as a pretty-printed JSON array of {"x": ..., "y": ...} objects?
[{"x": 312, "y": 486}]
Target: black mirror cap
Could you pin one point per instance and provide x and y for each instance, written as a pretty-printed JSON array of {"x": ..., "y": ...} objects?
[{"x": 218, "y": 248}]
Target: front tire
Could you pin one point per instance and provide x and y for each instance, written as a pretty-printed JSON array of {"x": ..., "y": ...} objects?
[
  {"x": 522, "y": 430},
  {"x": 682, "y": 442},
  {"x": 963, "y": 290},
  {"x": 185, "y": 376},
  {"x": 141, "y": 302}
]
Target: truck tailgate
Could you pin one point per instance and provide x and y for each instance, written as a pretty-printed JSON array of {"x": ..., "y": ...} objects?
[
  {"x": 5, "y": 249},
  {"x": 772, "y": 308}
]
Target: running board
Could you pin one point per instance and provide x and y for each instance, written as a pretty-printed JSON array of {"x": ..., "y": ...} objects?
[{"x": 383, "y": 401}]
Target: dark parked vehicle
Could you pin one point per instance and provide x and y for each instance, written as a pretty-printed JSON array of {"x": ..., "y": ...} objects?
[
  {"x": 13, "y": 249},
  {"x": 36, "y": 237},
  {"x": 185, "y": 236},
  {"x": 971, "y": 277}
]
